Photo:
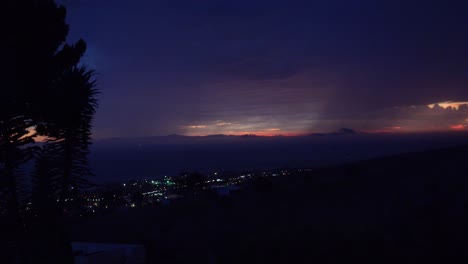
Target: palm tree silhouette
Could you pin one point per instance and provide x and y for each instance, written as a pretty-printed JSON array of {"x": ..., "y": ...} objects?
[
  {"x": 68, "y": 125},
  {"x": 62, "y": 164}
]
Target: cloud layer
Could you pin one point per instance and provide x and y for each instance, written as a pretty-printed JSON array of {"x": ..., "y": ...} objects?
[{"x": 296, "y": 66}]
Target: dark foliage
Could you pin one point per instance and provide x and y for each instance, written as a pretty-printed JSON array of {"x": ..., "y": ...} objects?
[
  {"x": 69, "y": 117},
  {"x": 43, "y": 91}
]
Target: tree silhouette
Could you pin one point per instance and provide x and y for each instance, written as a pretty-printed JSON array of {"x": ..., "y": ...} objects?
[
  {"x": 45, "y": 225},
  {"x": 45, "y": 177},
  {"x": 36, "y": 62},
  {"x": 69, "y": 117},
  {"x": 13, "y": 153},
  {"x": 26, "y": 69},
  {"x": 62, "y": 166}
]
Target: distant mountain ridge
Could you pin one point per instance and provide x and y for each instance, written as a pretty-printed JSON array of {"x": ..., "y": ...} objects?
[{"x": 342, "y": 131}]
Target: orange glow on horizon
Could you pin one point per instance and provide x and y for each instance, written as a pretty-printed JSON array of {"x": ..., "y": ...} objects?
[
  {"x": 267, "y": 133},
  {"x": 457, "y": 127}
]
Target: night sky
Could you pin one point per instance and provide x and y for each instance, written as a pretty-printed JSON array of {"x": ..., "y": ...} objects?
[{"x": 274, "y": 67}]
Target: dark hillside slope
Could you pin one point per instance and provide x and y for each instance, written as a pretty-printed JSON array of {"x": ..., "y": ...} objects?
[{"x": 409, "y": 208}]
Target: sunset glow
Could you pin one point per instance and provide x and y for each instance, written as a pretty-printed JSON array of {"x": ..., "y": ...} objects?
[
  {"x": 225, "y": 82},
  {"x": 237, "y": 129},
  {"x": 447, "y": 104},
  {"x": 264, "y": 133},
  {"x": 457, "y": 127}
]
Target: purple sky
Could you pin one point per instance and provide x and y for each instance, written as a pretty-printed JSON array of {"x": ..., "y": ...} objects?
[{"x": 274, "y": 67}]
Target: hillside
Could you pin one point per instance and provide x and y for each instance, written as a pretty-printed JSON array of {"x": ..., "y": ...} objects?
[{"x": 408, "y": 208}]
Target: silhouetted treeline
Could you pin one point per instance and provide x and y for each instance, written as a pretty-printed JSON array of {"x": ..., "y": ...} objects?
[{"x": 45, "y": 92}]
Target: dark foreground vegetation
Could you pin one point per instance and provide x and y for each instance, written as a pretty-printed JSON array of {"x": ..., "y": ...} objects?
[
  {"x": 45, "y": 91},
  {"x": 408, "y": 208}
]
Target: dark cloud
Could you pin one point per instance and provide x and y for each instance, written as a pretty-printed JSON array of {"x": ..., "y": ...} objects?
[{"x": 293, "y": 64}]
